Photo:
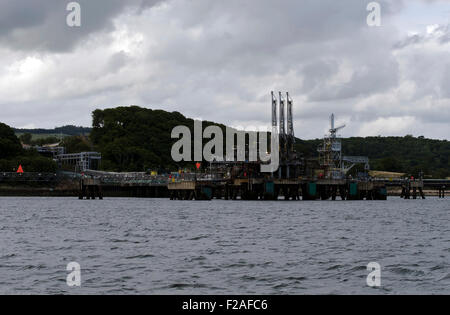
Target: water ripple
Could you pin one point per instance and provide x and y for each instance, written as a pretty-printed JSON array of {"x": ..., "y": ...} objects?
[{"x": 147, "y": 246}]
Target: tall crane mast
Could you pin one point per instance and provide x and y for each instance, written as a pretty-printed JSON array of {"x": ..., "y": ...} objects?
[
  {"x": 290, "y": 120},
  {"x": 282, "y": 117},
  {"x": 333, "y": 130},
  {"x": 274, "y": 110},
  {"x": 290, "y": 163}
]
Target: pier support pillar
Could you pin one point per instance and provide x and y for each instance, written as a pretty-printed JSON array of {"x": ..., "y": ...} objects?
[
  {"x": 403, "y": 194},
  {"x": 442, "y": 192},
  {"x": 407, "y": 192},
  {"x": 421, "y": 193},
  {"x": 343, "y": 192}
]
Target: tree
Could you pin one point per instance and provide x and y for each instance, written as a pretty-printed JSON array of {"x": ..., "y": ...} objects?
[
  {"x": 135, "y": 139},
  {"x": 12, "y": 154},
  {"x": 26, "y": 138},
  {"x": 77, "y": 144},
  {"x": 9, "y": 144},
  {"x": 390, "y": 164}
]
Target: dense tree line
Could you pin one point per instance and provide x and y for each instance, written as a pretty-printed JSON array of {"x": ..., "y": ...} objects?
[
  {"x": 394, "y": 154},
  {"x": 77, "y": 144},
  {"x": 12, "y": 155},
  {"x": 69, "y": 130},
  {"x": 137, "y": 139}
]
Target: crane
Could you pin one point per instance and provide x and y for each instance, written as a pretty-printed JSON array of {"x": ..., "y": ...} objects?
[{"x": 334, "y": 130}]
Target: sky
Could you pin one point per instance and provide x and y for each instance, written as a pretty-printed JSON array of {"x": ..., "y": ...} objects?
[{"x": 219, "y": 60}]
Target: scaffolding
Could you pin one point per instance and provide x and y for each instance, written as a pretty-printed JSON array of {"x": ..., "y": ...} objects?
[
  {"x": 331, "y": 160},
  {"x": 80, "y": 162}
]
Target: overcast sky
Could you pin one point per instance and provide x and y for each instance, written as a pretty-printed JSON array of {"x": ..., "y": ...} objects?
[{"x": 218, "y": 60}]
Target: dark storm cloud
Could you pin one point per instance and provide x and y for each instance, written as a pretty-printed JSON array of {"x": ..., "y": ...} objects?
[
  {"x": 219, "y": 60},
  {"x": 267, "y": 37},
  {"x": 41, "y": 24},
  {"x": 264, "y": 28}
]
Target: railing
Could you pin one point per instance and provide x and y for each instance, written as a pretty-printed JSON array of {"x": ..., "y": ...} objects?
[
  {"x": 141, "y": 178},
  {"x": 28, "y": 177},
  {"x": 110, "y": 178}
]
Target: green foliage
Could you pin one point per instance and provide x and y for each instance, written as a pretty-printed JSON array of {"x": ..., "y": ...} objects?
[
  {"x": 395, "y": 154},
  {"x": 136, "y": 139},
  {"x": 77, "y": 144},
  {"x": 65, "y": 130},
  {"x": 31, "y": 161},
  {"x": 404, "y": 154},
  {"x": 26, "y": 138},
  {"x": 40, "y": 140},
  {"x": 9, "y": 144},
  {"x": 307, "y": 148},
  {"x": 389, "y": 164},
  {"x": 48, "y": 140},
  {"x": 12, "y": 155}
]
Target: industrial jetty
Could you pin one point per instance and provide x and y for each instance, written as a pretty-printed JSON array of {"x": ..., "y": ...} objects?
[{"x": 297, "y": 178}]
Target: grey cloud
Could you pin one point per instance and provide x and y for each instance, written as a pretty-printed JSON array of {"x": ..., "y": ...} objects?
[
  {"x": 442, "y": 38},
  {"x": 411, "y": 40},
  {"x": 317, "y": 72},
  {"x": 373, "y": 78},
  {"x": 445, "y": 86},
  {"x": 273, "y": 37},
  {"x": 116, "y": 62},
  {"x": 262, "y": 28},
  {"x": 40, "y": 25},
  {"x": 218, "y": 60}
]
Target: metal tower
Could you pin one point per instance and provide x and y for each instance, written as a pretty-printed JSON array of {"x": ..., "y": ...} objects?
[
  {"x": 274, "y": 110},
  {"x": 290, "y": 122},
  {"x": 290, "y": 126},
  {"x": 282, "y": 117},
  {"x": 330, "y": 155},
  {"x": 333, "y": 130},
  {"x": 290, "y": 162},
  {"x": 330, "y": 152},
  {"x": 283, "y": 137}
]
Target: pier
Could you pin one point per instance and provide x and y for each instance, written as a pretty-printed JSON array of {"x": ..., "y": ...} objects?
[
  {"x": 203, "y": 187},
  {"x": 97, "y": 185},
  {"x": 289, "y": 190},
  {"x": 331, "y": 176},
  {"x": 302, "y": 189},
  {"x": 90, "y": 188}
]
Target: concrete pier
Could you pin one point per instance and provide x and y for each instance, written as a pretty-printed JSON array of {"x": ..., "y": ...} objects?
[
  {"x": 90, "y": 189},
  {"x": 277, "y": 189},
  {"x": 268, "y": 188}
]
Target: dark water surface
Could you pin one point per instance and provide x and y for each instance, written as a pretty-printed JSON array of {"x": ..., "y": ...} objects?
[{"x": 157, "y": 246}]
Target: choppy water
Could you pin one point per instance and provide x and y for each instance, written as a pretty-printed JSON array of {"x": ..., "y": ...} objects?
[{"x": 150, "y": 246}]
